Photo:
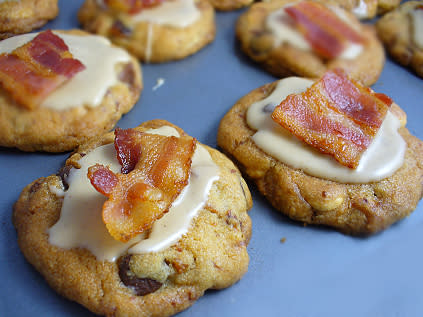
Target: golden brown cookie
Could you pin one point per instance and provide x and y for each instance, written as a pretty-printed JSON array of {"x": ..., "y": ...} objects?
[
  {"x": 153, "y": 35},
  {"x": 17, "y": 17},
  {"x": 212, "y": 254},
  {"x": 227, "y": 5},
  {"x": 401, "y": 33},
  {"x": 352, "y": 208},
  {"x": 368, "y": 9},
  {"x": 285, "y": 59},
  {"x": 79, "y": 109}
]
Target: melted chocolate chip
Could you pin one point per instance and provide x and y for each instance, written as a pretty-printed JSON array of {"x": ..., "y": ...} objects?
[
  {"x": 119, "y": 28},
  {"x": 63, "y": 173},
  {"x": 127, "y": 75},
  {"x": 141, "y": 286}
]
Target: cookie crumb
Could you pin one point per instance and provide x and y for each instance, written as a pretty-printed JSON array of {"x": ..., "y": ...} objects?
[
  {"x": 159, "y": 83},
  {"x": 283, "y": 240}
]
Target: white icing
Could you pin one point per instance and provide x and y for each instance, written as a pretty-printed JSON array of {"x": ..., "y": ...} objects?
[
  {"x": 81, "y": 225},
  {"x": 177, "y": 221},
  {"x": 417, "y": 19},
  {"x": 383, "y": 157},
  {"x": 278, "y": 22},
  {"x": 342, "y": 14},
  {"x": 174, "y": 13},
  {"x": 59, "y": 192},
  {"x": 149, "y": 44},
  {"x": 89, "y": 86},
  {"x": 177, "y": 13},
  {"x": 361, "y": 11},
  {"x": 281, "y": 26}
]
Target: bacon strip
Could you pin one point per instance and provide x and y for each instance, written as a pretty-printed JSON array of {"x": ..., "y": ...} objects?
[
  {"x": 131, "y": 6},
  {"x": 128, "y": 148},
  {"x": 31, "y": 72},
  {"x": 145, "y": 194},
  {"x": 335, "y": 115},
  {"x": 323, "y": 29}
]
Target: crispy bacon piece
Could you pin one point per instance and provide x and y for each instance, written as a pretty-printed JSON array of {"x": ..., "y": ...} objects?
[
  {"x": 131, "y": 6},
  {"x": 335, "y": 115},
  {"x": 31, "y": 72},
  {"x": 103, "y": 179},
  {"x": 323, "y": 29},
  {"x": 128, "y": 148},
  {"x": 145, "y": 194}
]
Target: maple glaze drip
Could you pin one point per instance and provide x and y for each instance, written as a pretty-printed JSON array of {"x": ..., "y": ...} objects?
[
  {"x": 417, "y": 20},
  {"x": 361, "y": 10},
  {"x": 80, "y": 224},
  {"x": 91, "y": 83},
  {"x": 282, "y": 27},
  {"x": 383, "y": 157},
  {"x": 177, "y": 13}
]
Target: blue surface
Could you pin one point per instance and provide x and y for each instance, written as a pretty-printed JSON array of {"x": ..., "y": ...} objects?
[{"x": 316, "y": 272}]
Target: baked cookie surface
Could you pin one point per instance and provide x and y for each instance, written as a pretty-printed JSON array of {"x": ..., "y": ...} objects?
[
  {"x": 17, "y": 17},
  {"x": 212, "y": 254},
  {"x": 352, "y": 208},
  {"x": 169, "y": 31},
  {"x": 368, "y": 9},
  {"x": 401, "y": 33},
  {"x": 257, "y": 31},
  {"x": 78, "y": 110},
  {"x": 227, "y": 5}
]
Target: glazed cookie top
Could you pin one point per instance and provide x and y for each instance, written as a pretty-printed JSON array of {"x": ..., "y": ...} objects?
[
  {"x": 92, "y": 82},
  {"x": 343, "y": 41},
  {"x": 64, "y": 87},
  {"x": 400, "y": 32},
  {"x": 155, "y": 32},
  {"x": 71, "y": 229},
  {"x": 307, "y": 38},
  {"x": 175, "y": 13},
  {"x": 379, "y": 159}
]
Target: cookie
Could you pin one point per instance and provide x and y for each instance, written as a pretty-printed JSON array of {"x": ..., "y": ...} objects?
[
  {"x": 171, "y": 30},
  {"x": 266, "y": 34},
  {"x": 316, "y": 193},
  {"x": 368, "y": 9},
  {"x": 89, "y": 104},
  {"x": 158, "y": 276},
  {"x": 227, "y": 5},
  {"x": 401, "y": 33},
  {"x": 17, "y": 17}
]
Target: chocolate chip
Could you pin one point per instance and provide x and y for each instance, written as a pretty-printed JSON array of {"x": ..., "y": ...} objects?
[
  {"x": 36, "y": 186},
  {"x": 119, "y": 28},
  {"x": 63, "y": 173},
  {"x": 127, "y": 75},
  {"x": 141, "y": 286}
]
